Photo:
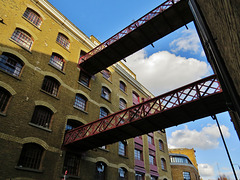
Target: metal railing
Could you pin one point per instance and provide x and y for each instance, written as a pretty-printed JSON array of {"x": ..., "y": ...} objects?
[
  {"x": 130, "y": 28},
  {"x": 173, "y": 99}
]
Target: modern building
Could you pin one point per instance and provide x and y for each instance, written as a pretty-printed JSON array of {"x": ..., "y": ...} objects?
[
  {"x": 43, "y": 94},
  {"x": 183, "y": 164}
]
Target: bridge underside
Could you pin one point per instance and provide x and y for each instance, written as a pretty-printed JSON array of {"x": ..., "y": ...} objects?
[
  {"x": 206, "y": 106},
  {"x": 161, "y": 25}
]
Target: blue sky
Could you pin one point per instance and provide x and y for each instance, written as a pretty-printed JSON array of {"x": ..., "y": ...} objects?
[{"x": 177, "y": 59}]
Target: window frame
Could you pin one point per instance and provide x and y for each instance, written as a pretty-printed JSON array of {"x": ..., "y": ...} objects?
[
  {"x": 103, "y": 110},
  {"x": 57, "y": 61},
  {"x": 20, "y": 37},
  {"x": 161, "y": 145},
  {"x": 124, "y": 171},
  {"x": 80, "y": 102},
  {"x": 40, "y": 120},
  {"x": 106, "y": 93},
  {"x": 13, "y": 65},
  {"x": 63, "y": 40},
  {"x": 100, "y": 176},
  {"x": 107, "y": 74},
  {"x": 84, "y": 79},
  {"x": 135, "y": 98},
  {"x": 5, "y": 98},
  {"x": 52, "y": 89},
  {"x": 122, "y": 104},
  {"x": 27, "y": 154},
  {"x": 33, "y": 17},
  {"x": 122, "y": 86},
  {"x": 163, "y": 164},
  {"x": 71, "y": 164},
  {"x": 122, "y": 148},
  {"x": 138, "y": 154},
  {"x": 186, "y": 175}
]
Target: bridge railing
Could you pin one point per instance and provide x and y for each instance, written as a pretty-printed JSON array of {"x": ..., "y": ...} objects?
[
  {"x": 129, "y": 29},
  {"x": 189, "y": 93}
]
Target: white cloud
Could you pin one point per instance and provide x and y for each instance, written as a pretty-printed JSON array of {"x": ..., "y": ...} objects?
[
  {"x": 163, "y": 71},
  {"x": 206, "y": 170},
  {"x": 189, "y": 41},
  {"x": 207, "y": 138}
]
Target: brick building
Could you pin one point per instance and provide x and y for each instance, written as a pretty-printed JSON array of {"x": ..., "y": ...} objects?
[
  {"x": 183, "y": 164},
  {"x": 43, "y": 94}
]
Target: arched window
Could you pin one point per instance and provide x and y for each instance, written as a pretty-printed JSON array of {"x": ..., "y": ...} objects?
[
  {"x": 161, "y": 145},
  {"x": 71, "y": 124},
  {"x": 123, "y": 86},
  {"x": 50, "y": 85},
  {"x": 42, "y": 116},
  {"x": 122, "y": 148},
  {"x": 22, "y": 38},
  {"x": 84, "y": 79},
  {"x": 63, "y": 40},
  {"x": 57, "y": 61},
  {"x": 31, "y": 156},
  {"x": 11, "y": 64},
  {"x": 136, "y": 98},
  {"x": 4, "y": 99},
  {"x": 80, "y": 102},
  {"x": 103, "y": 112},
  {"x": 106, "y": 74},
  {"x": 33, "y": 17},
  {"x": 71, "y": 164},
  {"x": 100, "y": 170},
  {"x": 122, "y": 104},
  {"x": 106, "y": 93},
  {"x": 163, "y": 164},
  {"x": 122, "y": 173}
]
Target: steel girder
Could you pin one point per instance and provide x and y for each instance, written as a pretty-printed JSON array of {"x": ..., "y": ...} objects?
[{"x": 174, "y": 99}]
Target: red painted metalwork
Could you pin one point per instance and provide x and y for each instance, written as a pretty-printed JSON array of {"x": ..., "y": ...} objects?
[
  {"x": 164, "y": 6},
  {"x": 174, "y": 99}
]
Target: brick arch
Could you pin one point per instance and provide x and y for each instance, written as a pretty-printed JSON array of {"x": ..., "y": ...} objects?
[
  {"x": 8, "y": 88},
  {"x": 46, "y": 104}
]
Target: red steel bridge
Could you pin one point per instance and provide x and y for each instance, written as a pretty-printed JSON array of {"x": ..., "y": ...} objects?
[
  {"x": 158, "y": 23},
  {"x": 188, "y": 103}
]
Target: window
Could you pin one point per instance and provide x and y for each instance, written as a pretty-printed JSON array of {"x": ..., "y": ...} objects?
[
  {"x": 80, "y": 102},
  {"x": 186, "y": 176},
  {"x": 139, "y": 176},
  {"x": 154, "y": 178},
  {"x": 50, "y": 85},
  {"x": 4, "y": 99},
  {"x": 11, "y": 64},
  {"x": 161, "y": 145},
  {"x": 136, "y": 99},
  {"x": 31, "y": 156},
  {"x": 150, "y": 139},
  {"x": 42, "y": 116},
  {"x": 106, "y": 94},
  {"x": 100, "y": 170},
  {"x": 57, "y": 61},
  {"x": 71, "y": 164},
  {"x": 33, "y": 17},
  {"x": 63, "y": 40},
  {"x": 122, "y": 148},
  {"x": 123, "y": 86},
  {"x": 122, "y": 174},
  {"x": 22, "y": 38},
  {"x": 106, "y": 74},
  {"x": 181, "y": 160},
  {"x": 152, "y": 160},
  {"x": 103, "y": 112},
  {"x": 72, "y": 124},
  {"x": 122, "y": 104},
  {"x": 138, "y": 154},
  {"x": 84, "y": 79},
  {"x": 163, "y": 164}
]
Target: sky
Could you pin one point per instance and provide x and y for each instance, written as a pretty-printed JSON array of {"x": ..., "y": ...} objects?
[{"x": 175, "y": 60}]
